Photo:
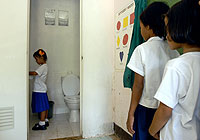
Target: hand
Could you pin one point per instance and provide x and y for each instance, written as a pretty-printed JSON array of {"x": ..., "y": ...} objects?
[
  {"x": 129, "y": 124},
  {"x": 156, "y": 136}
]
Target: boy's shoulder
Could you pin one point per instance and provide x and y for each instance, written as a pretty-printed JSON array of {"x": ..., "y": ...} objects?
[
  {"x": 152, "y": 45},
  {"x": 183, "y": 59},
  {"x": 43, "y": 66},
  {"x": 178, "y": 64},
  {"x": 153, "y": 42}
]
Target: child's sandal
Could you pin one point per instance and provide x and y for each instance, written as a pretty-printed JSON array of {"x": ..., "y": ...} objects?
[
  {"x": 46, "y": 124},
  {"x": 39, "y": 127}
]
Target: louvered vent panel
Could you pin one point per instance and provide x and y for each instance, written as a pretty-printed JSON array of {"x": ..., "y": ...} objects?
[{"x": 6, "y": 118}]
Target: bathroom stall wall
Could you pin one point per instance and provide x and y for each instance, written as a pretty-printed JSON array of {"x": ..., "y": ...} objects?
[
  {"x": 97, "y": 42},
  {"x": 121, "y": 95},
  {"x": 62, "y": 44},
  {"x": 14, "y": 67}
]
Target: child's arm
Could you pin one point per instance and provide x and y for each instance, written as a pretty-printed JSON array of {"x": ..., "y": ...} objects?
[
  {"x": 33, "y": 73},
  {"x": 135, "y": 98},
  {"x": 160, "y": 118}
]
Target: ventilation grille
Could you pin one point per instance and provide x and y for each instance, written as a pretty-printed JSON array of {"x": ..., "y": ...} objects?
[{"x": 6, "y": 118}]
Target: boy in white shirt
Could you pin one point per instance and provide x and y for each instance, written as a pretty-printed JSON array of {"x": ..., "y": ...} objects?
[
  {"x": 178, "y": 115},
  {"x": 148, "y": 61}
]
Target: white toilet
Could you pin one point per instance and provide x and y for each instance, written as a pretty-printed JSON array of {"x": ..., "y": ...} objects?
[{"x": 71, "y": 91}]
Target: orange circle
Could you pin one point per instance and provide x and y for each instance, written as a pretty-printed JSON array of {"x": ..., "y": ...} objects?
[
  {"x": 125, "y": 39},
  {"x": 118, "y": 25}
]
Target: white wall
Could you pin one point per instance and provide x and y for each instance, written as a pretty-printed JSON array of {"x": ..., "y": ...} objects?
[
  {"x": 14, "y": 65},
  {"x": 121, "y": 95},
  {"x": 62, "y": 44},
  {"x": 97, "y": 35}
]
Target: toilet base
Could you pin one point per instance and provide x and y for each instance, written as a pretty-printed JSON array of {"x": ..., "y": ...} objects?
[{"x": 74, "y": 116}]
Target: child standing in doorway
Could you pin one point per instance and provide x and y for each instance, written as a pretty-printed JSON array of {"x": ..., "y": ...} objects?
[
  {"x": 178, "y": 115},
  {"x": 40, "y": 102},
  {"x": 148, "y": 61}
]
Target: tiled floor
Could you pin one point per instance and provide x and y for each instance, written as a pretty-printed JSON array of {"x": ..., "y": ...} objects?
[
  {"x": 101, "y": 138},
  {"x": 111, "y": 137},
  {"x": 59, "y": 127}
]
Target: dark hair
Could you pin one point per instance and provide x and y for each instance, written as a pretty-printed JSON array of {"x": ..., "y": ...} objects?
[
  {"x": 184, "y": 22},
  {"x": 40, "y": 53},
  {"x": 153, "y": 16}
]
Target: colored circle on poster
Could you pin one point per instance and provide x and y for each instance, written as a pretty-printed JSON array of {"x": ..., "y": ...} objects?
[
  {"x": 125, "y": 39},
  {"x": 118, "y": 25}
]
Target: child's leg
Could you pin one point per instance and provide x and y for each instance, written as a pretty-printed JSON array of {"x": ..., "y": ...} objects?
[
  {"x": 41, "y": 125},
  {"x": 40, "y": 107},
  {"x": 43, "y": 115},
  {"x": 46, "y": 115},
  {"x": 46, "y": 118}
]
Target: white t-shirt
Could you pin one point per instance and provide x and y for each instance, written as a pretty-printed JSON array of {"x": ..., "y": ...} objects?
[
  {"x": 148, "y": 60},
  {"x": 40, "y": 79},
  {"x": 180, "y": 90}
]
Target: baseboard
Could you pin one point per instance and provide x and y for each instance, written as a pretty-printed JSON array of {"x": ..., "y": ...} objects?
[
  {"x": 60, "y": 109},
  {"x": 123, "y": 135}
]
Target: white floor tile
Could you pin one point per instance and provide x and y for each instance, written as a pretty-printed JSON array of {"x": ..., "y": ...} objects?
[
  {"x": 75, "y": 128},
  {"x": 64, "y": 134},
  {"x": 34, "y": 138},
  {"x": 50, "y": 135},
  {"x": 59, "y": 127}
]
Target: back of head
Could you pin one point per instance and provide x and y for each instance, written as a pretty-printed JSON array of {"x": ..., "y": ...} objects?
[
  {"x": 184, "y": 22},
  {"x": 40, "y": 53},
  {"x": 153, "y": 16}
]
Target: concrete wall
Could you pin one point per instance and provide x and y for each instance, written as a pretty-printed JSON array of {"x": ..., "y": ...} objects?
[
  {"x": 121, "y": 95},
  {"x": 14, "y": 65},
  {"x": 97, "y": 35}
]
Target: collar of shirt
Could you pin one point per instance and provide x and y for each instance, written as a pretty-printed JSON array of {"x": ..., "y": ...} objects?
[
  {"x": 190, "y": 53},
  {"x": 154, "y": 38}
]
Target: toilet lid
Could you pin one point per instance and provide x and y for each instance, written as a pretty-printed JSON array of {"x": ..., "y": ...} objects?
[{"x": 71, "y": 85}]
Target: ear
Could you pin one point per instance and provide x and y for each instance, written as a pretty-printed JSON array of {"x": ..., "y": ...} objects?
[{"x": 148, "y": 27}]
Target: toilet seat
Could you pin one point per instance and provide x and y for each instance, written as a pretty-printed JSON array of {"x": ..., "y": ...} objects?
[
  {"x": 75, "y": 97},
  {"x": 72, "y": 99}
]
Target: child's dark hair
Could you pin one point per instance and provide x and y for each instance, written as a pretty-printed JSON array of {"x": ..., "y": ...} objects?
[
  {"x": 184, "y": 22},
  {"x": 40, "y": 53},
  {"x": 153, "y": 16}
]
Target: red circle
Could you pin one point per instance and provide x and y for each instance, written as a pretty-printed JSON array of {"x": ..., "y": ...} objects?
[
  {"x": 125, "y": 39},
  {"x": 118, "y": 25}
]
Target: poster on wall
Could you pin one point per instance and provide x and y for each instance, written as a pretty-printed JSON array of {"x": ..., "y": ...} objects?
[
  {"x": 124, "y": 22},
  {"x": 63, "y": 18},
  {"x": 50, "y": 16}
]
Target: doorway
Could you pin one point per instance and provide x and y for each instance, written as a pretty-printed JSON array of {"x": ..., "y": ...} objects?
[{"x": 55, "y": 27}]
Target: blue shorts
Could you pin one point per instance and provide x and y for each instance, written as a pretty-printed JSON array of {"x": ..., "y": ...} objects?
[
  {"x": 142, "y": 120},
  {"x": 40, "y": 102}
]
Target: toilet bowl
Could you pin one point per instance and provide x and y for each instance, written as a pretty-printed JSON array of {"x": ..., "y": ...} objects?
[{"x": 71, "y": 91}]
